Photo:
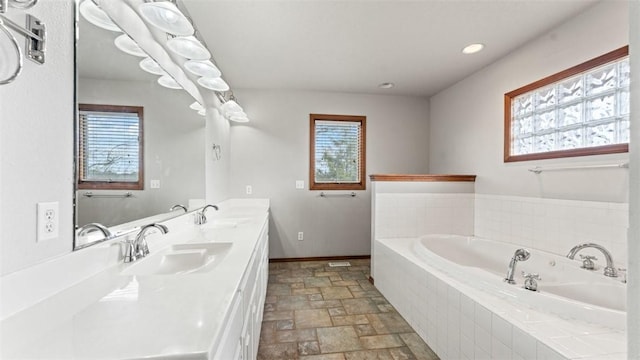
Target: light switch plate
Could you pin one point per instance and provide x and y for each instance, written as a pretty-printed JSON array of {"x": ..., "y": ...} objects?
[
  {"x": 155, "y": 184},
  {"x": 299, "y": 184}
]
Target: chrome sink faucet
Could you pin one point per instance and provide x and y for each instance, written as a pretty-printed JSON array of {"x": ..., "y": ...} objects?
[
  {"x": 519, "y": 255},
  {"x": 200, "y": 217},
  {"x": 609, "y": 270},
  {"x": 178, "y": 206},
  {"x": 138, "y": 248},
  {"x": 103, "y": 229}
]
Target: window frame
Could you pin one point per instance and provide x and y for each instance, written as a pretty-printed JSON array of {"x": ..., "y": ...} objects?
[
  {"x": 575, "y": 70},
  {"x": 361, "y": 185},
  {"x": 112, "y": 185}
]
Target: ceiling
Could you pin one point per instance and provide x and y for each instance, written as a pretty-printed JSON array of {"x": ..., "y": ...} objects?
[{"x": 352, "y": 46}]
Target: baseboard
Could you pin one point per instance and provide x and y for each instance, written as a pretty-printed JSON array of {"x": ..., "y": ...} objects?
[{"x": 321, "y": 258}]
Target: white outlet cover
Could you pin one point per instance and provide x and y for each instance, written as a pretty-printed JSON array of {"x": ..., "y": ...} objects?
[
  {"x": 47, "y": 221},
  {"x": 249, "y": 190}
]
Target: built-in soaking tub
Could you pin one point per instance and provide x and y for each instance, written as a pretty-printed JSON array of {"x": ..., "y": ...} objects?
[
  {"x": 565, "y": 288},
  {"x": 441, "y": 269}
]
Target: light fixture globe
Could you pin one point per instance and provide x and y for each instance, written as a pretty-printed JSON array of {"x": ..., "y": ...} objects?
[
  {"x": 97, "y": 16},
  {"x": 127, "y": 45},
  {"x": 230, "y": 107},
  {"x": 215, "y": 84},
  {"x": 167, "y": 17},
  {"x": 149, "y": 65},
  {"x": 202, "y": 68},
  {"x": 196, "y": 106},
  {"x": 168, "y": 82},
  {"x": 240, "y": 118},
  {"x": 189, "y": 47}
]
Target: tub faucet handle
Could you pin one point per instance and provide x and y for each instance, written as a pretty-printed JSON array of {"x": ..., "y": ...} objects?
[
  {"x": 624, "y": 274},
  {"x": 530, "y": 282},
  {"x": 587, "y": 262}
]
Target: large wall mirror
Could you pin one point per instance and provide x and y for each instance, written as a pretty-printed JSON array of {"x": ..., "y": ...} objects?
[{"x": 172, "y": 162}]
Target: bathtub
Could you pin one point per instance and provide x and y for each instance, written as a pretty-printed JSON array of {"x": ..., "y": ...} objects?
[
  {"x": 568, "y": 317},
  {"x": 565, "y": 289}
]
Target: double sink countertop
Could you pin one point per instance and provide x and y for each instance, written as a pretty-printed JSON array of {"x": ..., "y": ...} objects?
[{"x": 172, "y": 304}]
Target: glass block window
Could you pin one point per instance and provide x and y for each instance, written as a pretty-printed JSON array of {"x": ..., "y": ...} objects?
[
  {"x": 337, "y": 156},
  {"x": 581, "y": 111},
  {"x": 109, "y": 147}
]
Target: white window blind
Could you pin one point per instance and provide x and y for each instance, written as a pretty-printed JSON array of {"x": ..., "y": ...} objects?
[
  {"x": 109, "y": 146},
  {"x": 337, "y": 151}
]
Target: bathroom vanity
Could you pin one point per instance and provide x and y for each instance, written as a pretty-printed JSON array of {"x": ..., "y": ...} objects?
[{"x": 199, "y": 294}]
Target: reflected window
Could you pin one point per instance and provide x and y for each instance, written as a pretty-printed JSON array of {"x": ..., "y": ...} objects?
[
  {"x": 110, "y": 154},
  {"x": 581, "y": 111},
  {"x": 337, "y": 152}
]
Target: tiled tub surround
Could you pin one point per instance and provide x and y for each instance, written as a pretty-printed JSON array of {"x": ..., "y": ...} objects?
[
  {"x": 459, "y": 319},
  {"x": 414, "y": 208},
  {"x": 82, "y": 306},
  {"x": 554, "y": 225}
]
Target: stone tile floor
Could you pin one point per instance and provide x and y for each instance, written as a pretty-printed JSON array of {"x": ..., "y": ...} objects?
[{"x": 317, "y": 312}]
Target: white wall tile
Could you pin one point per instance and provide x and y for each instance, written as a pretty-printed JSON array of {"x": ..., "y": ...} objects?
[
  {"x": 501, "y": 330},
  {"x": 523, "y": 344},
  {"x": 499, "y": 350}
]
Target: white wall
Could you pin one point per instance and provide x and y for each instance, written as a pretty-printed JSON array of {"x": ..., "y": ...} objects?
[
  {"x": 467, "y": 118},
  {"x": 272, "y": 152},
  {"x": 174, "y": 150},
  {"x": 36, "y": 142},
  {"x": 217, "y": 168}
]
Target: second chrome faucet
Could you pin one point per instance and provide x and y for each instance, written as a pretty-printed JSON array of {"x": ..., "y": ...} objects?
[
  {"x": 139, "y": 248},
  {"x": 609, "y": 270}
]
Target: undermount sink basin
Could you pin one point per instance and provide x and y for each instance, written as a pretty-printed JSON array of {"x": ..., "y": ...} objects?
[{"x": 180, "y": 259}]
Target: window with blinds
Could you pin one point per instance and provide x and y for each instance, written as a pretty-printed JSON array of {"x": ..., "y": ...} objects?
[
  {"x": 110, "y": 147},
  {"x": 583, "y": 110},
  {"x": 337, "y": 154}
]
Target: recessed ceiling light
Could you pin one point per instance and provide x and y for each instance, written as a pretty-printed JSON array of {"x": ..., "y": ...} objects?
[
  {"x": 472, "y": 49},
  {"x": 386, "y": 85}
]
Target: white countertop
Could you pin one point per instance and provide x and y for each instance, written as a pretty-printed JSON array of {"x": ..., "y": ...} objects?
[{"x": 109, "y": 315}]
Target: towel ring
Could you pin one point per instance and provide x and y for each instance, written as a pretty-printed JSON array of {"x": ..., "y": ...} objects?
[{"x": 18, "y": 51}]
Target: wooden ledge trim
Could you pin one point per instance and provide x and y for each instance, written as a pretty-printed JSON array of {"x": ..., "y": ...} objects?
[{"x": 423, "y": 178}]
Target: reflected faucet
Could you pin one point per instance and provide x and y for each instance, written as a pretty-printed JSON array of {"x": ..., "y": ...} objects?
[
  {"x": 609, "y": 270},
  {"x": 519, "y": 255},
  {"x": 178, "y": 206},
  {"x": 200, "y": 217},
  {"x": 139, "y": 248},
  {"x": 106, "y": 232}
]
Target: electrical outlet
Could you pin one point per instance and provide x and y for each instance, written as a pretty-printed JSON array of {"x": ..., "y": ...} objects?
[
  {"x": 300, "y": 236},
  {"x": 155, "y": 184},
  {"x": 249, "y": 190},
  {"x": 47, "y": 222},
  {"x": 299, "y": 184}
]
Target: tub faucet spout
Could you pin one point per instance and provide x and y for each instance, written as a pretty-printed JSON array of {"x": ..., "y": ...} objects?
[
  {"x": 609, "y": 270},
  {"x": 519, "y": 255}
]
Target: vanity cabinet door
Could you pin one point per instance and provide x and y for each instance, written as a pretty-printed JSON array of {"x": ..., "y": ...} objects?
[{"x": 231, "y": 338}]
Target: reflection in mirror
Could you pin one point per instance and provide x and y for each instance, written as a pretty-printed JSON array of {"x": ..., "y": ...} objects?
[{"x": 172, "y": 152}]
